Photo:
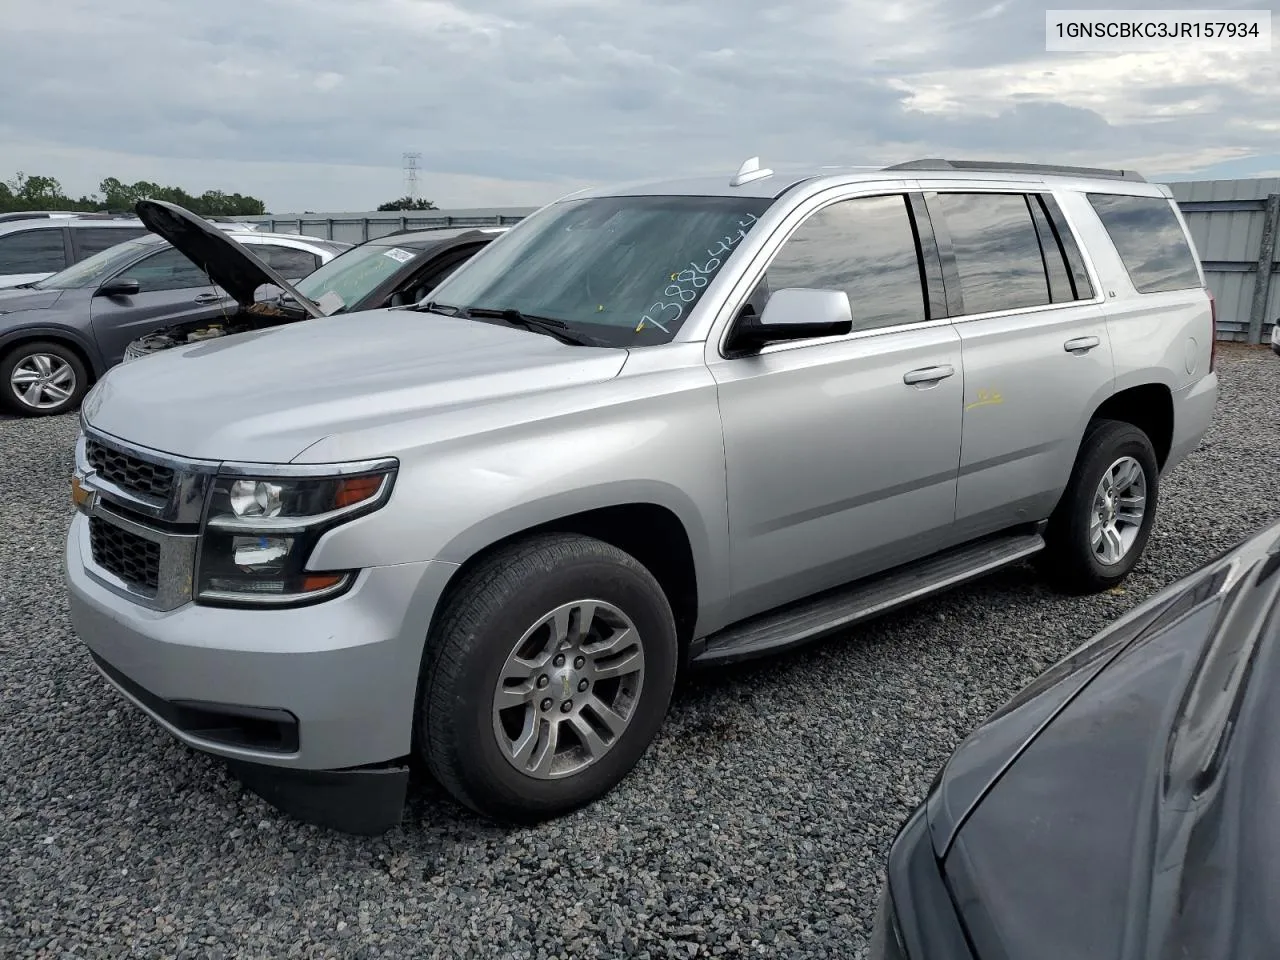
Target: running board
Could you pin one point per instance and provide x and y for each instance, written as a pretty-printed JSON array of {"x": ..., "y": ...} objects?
[{"x": 807, "y": 620}]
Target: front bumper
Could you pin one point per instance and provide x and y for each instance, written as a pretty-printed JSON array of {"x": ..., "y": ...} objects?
[{"x": 293, "y": 698}]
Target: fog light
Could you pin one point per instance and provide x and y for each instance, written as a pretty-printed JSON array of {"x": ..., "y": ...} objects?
[{"x": 255, "y": 498}]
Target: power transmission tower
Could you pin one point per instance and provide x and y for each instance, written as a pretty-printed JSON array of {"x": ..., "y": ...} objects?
[{"x": 411, "y": 175}]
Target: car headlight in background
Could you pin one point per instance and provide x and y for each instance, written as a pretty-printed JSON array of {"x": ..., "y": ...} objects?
[{"x": 260, "y": 530}]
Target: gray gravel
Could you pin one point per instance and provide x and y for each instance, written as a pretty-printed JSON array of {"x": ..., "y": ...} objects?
[{"x": 757, "y": 825}]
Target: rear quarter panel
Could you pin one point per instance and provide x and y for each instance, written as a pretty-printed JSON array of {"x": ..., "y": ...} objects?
[{"x": 1155, "y": 338}]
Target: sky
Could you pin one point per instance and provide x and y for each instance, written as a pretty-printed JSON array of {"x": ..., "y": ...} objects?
[{"x": 311, "y": 104}]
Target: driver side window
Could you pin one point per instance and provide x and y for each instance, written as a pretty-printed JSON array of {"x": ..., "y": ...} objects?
[
  {"x": 166, "y": 270},
  {"x": 866, "y": 247}
]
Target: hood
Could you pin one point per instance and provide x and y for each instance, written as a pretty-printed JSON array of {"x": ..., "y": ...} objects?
[
  {"x": 1125, "y": 809},
  {"x": 12, "y": 299},
  {"x": 231, "y": 265},
  {"x": 268, "y": 395}
]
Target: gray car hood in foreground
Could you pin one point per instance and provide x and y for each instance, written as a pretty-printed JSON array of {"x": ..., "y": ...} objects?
[{"x": 267, "y": 396}]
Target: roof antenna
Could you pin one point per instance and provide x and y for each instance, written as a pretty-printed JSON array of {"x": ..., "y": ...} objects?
[{"x": 749, "y": 171}]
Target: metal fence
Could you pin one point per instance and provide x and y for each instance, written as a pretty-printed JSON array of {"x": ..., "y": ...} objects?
[
  {"x": 358, "y": 227},
  {"x": 1235, "y": 224}
]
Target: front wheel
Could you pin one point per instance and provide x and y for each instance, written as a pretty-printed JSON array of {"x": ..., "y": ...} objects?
[
  {"x": 42, "y": 379},
  {"x": 545, "y": 678},
  {"x": 1101, "y": 526}
]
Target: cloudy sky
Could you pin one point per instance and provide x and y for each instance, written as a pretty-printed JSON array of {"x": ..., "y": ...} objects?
[{"x": 310, "y": 104}]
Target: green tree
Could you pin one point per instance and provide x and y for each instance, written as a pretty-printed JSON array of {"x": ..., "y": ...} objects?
[
  {"x": 45, "y": 193},
  {"x": 408, "y": 203}
]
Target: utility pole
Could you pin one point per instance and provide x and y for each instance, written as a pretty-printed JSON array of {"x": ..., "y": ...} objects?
[{"x": 411, "y": 175}]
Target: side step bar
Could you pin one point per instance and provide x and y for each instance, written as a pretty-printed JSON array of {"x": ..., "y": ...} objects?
[{"x": 798, "y": 623}]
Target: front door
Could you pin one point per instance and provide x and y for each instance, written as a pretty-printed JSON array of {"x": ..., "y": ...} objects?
[
  {"x": 842, "y": 453},
  {"x": 171, "y": 289}
]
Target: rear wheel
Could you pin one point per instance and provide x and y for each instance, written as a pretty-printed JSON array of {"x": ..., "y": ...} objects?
[
  {"x": 546, "y": 677},
  {"x": 1101, "y": 526},
  {"x": 42, "y": 379}
]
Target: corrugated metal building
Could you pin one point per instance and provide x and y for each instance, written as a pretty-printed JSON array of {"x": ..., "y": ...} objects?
[{"x": 1235, "y": 224}]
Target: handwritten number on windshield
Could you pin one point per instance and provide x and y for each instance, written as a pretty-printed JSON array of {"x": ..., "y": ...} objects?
[{"x": 687, "y": 282}]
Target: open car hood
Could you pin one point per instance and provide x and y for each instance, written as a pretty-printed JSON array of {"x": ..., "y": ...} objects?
[{"x": 229, "y": 264}]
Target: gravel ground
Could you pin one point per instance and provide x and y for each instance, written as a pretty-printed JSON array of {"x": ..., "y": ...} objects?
[{"x": 756, "y": 826}]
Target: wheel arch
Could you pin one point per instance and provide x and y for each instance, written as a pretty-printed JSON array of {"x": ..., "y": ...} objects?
[
  {"x": 65, "y": 336},
  {"x": 1147, "y": 406},
  {"x": 657, "y": 525}
]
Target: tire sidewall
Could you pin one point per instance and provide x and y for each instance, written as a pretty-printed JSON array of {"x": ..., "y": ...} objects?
[
  {"x": 1109, "y": 443},
  {"x": 488, "y": 774},
  {"x": 18, "y": 354}
]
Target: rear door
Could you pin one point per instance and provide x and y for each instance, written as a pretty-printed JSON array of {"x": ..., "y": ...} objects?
[
  {"x": 172, "y": 289},
  {"x": 1037, "y": 356}
]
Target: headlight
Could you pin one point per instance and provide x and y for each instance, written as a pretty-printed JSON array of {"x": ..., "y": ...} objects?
[{"x": 259, "y": 533}]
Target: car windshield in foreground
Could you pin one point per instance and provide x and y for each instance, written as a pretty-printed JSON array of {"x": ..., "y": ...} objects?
[
  {"x": 350, "y": 276},
  {"x": 620, "y": 271},
  {"x": 91, "y": 271}
]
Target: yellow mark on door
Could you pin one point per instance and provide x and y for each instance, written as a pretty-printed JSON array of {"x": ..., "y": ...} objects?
[{"x": 986, "y": 398}]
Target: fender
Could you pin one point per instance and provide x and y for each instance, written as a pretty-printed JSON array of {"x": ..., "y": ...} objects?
[{"x": 51, "y": 331}]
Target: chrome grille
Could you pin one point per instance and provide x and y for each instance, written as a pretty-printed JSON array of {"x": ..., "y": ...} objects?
[
  {"x": 130, "y": 473},
  {"x": 132, "y": 558}
]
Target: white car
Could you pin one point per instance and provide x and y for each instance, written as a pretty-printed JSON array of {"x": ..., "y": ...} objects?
[
  {"x": 37, "y": 245},
  {"x": 1275, "y": 336}
]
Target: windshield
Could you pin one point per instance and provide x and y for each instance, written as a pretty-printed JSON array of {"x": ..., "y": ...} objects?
[
  {"x": 91, "y": 271},
  {"x": 350, "y": 276},
  {"x": 623, "y": 270}
]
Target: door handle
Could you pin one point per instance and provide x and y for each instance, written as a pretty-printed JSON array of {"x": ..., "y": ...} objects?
[
  {"x": 1081, "y": 344},
  {"x": 928, "y": 374},
  {"x": 208, "y": 298}
]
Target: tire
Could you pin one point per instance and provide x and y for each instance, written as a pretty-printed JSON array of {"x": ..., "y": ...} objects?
[
  {"x": 470, "y": 746},
  {"x": 1071, "y": 558},
  {"x": 43, "y": 358}
]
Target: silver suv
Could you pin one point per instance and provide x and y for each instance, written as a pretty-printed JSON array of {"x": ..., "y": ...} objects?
[{"x": 650, "y": 427}]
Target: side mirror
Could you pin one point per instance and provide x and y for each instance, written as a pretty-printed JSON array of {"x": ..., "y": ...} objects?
[
  {"x": 795, "y": 314},
  {"x": 119, "y": 288}
]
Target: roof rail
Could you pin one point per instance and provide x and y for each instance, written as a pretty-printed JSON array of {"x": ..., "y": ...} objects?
[{"x": 998, "y": 166}]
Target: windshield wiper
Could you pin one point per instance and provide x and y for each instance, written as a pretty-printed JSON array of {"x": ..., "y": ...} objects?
[
  {"x": 531, "y": 321},
  {"x": 444, "y": 309}
]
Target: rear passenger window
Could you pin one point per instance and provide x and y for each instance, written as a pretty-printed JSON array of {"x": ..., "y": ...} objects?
[
  {"x": 91, "y": 240},
  {"x": 1150, "y": 241},
  {"x": 997, "y": 251},
  {"x": 32, "y": 251},
  {"x": 865, "y": 247},
  {"x": 290, "y": 263}
]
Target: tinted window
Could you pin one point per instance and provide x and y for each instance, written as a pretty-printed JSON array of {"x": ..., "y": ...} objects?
[
  {"x": 91, "y": 240},
  {"x": 865, "y": 247},
  {"x": 1150, "y": 241},
  {"x": 1080, "y": 281},
  {"x": 289, "y": 263},
  {"x": 997, "y": 251},
  {"x": 1055, "y": 259},
  {"x": 167, "y": 270},
  {"x": 32, "y": 251}
]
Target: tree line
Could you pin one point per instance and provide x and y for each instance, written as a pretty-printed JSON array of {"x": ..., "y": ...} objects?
[{"x": 32, "y": 192}]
